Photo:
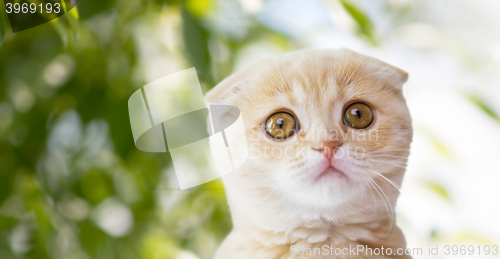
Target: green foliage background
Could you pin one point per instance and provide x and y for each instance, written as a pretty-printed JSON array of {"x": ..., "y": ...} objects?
[{"x": 48, "y": 196}]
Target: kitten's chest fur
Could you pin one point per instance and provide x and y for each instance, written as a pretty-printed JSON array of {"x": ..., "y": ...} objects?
[{"x": 317, "y": 240}]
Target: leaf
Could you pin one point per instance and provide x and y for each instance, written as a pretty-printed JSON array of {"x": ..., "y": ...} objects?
[
  {"x": 438, "y": 189},
  {"x": 198, "y": 8},
  {"x": 441, "y": 147},
  {"x": 437, "y": 143},
  {"x": 485, "y": 107},
  {"x": 67, "y": 26},
  {"x": 364, "y": 23}
]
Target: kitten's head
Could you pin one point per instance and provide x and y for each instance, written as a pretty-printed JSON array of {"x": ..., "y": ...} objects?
[{"x": 328, "y": 135}]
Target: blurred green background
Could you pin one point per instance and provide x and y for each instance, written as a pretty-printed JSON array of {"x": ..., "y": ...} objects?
[{"x": 72, "y": 183}]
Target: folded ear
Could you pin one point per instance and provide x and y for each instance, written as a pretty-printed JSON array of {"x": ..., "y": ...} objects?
[
  {"x": 390, "y": 74},
  {"x": 373, "y": 69},
  {"x": 220, "y": 93},
  {"x": 218, "y": 100}
]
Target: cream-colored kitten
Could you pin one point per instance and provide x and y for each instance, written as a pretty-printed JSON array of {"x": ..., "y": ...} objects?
[{"x": 328, "y": 135}]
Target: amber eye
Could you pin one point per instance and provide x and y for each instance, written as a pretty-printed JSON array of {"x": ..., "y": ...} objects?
[
  {"x": 358, "y": 116},
  {"x": 281, "y": 125}
]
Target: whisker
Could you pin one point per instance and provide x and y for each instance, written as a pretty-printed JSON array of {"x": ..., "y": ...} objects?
[
  {"x": 388, "y": 150},
  {"x": 367, "y": 180},
  {"x": 389, "y": 181},
  {"x": 372, "y": 183},
  {"x": 389, "y": 163},
  {"x": 389, "y": 205},
  {"x": 348, "y": 80},
  {"x": 383, "y": 155}
]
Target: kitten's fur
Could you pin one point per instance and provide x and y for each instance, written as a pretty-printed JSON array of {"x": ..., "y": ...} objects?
[{"x": 274, "y": 199}]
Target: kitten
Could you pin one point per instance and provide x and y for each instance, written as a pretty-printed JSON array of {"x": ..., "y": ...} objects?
[{"x": 328, "y": 135}]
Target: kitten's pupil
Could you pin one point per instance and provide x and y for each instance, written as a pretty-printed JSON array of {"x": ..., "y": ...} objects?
[
  {"x": 356, "y": 112},
  {"x": 280, "y": 122}
]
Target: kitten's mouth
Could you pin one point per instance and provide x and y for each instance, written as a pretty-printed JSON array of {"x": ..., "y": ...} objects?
[{"x": 331, "y": 172}]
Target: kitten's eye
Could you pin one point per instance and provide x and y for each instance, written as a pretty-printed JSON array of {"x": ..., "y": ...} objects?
[
  {"x": 281, "y": 125},
  {"x": 358, "y": 116}
]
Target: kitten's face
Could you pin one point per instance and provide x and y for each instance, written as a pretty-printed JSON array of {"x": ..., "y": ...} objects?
[{"x": 324, "y": 128}]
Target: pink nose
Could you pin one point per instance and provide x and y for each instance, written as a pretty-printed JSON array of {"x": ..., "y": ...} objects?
[{"x": 328, "y": 147}]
